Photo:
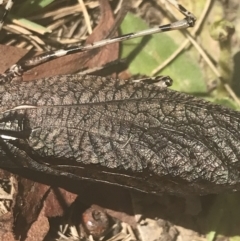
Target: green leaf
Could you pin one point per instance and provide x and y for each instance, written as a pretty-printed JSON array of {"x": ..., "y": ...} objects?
[
  {"x": 226, "y": 101},
  {"x": 223, "y": 219},
  {"x": 184, "y": 70}
]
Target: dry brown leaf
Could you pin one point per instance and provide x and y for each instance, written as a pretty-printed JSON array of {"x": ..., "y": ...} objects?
[
  {"x": 75, "y": 62},
  {"x": 9, "y": 56},
  {"x": 57, "y": 201},
  {"x": 29, "y": 203},
  {"x": 39, "y": 228}
]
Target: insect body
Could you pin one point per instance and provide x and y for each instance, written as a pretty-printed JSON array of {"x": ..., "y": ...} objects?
[{"x": 133, "y": 135}]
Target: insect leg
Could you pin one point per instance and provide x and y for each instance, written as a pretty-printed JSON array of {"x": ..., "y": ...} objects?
[{"x": 21, "y": 67}]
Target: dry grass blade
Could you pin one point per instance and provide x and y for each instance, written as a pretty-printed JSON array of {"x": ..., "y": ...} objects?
[{"x": 86, "y": 16}]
